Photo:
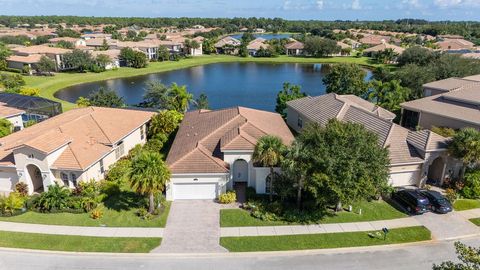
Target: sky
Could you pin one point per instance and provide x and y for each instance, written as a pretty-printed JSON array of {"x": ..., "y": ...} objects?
[{"x": 288, "y": 9}]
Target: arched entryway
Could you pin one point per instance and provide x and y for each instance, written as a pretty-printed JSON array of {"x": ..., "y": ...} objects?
[
  {"x": 435, "y": 171},
  {"x": 240, "y": 171},
  {"x": 35, "y": 177}
]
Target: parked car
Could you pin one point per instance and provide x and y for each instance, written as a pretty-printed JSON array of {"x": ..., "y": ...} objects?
[
  {"x": 412, "y": 201},
  {"x": 438, "y": 202}
]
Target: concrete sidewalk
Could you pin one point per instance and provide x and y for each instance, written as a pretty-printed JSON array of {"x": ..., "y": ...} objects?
[
  {"x": 80, "y": 230},
  {"x": 469, "y": 214},
  {"x": 319, "y": 228}
]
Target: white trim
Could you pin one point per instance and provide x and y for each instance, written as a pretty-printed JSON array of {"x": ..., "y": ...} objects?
[{"x": 197, "y": 174}]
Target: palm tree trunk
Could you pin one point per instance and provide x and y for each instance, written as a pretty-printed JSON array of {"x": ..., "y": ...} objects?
[
  {"x": 151, "y": 206},
  {"x": 299, "y": 193},
  {"x": 271, "y": 184},
  {"x": 462, "y": 172}
]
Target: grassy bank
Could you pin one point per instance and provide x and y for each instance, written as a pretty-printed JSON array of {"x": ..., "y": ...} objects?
[
  {"x": 466, "y": 204},
  {"x": 49, "y": 85},
  {"x": 370, "y": 211},
  {"x": 321, "y": 241},
  {"x": 475, "y": 221},
  {"x": 111, "y": 218},
  {"x": 77, "y": 243}
]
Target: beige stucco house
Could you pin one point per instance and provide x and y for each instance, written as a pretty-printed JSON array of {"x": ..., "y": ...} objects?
[
  {"x": 31, "y": 55},
  {"x": 212, "y": 152},
  {"x": 451, "y": 103},
  {"x": 78, "y": 145},
  {"x": 13, "y": 115},
  {"x": 415, "y": 156}
]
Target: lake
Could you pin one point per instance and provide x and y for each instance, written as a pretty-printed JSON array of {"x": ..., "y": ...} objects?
[
  {"x": 253, "y": 85},
  {"x": 265, "y": 36}
]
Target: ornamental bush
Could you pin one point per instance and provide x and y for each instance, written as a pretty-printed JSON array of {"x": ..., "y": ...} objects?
[
  {"x": 471, "y": 190},
  {"x": 229, "y": 197}
]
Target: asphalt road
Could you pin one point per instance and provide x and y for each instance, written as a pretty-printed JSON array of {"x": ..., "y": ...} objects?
[{"x": 411, "y": 256}]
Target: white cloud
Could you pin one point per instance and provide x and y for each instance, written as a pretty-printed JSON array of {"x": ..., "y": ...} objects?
[
  {"x": 456, "y": 3},
  {"x": 303, "y": 4},
  {"x": 356, "y": 5},
  {"x": 320, "y": 4},
  {"x": 412, "y": 3}
]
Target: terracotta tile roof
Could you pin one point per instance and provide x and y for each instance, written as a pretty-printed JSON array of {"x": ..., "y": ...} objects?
[
  {"x": 228, "y": 40},
  {"x": 257, "y": 44},
  {"x": 449, "y": 84},
  {"x": 67, "y": 39},
  {"x": 295, "y": 45},
  {"x": 427, "y": 140},
  {"x": 7, "y": 111},
  {"x": 455, "y": 44},
  {"x": 203, "y": 135},
  {"x": 112, "y": 53},
  {"x": 40, "y": 49},
  {"x": 384, "y": 46},
  {"x": 89, "y": 133},
  {"x": 29, "y": 59},
  {"x": 401, "y": 152}
]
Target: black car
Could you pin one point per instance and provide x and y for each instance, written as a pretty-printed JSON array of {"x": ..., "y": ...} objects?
[
  {"x": 438, "y": 203},
  {"x": 412, "y": 201}
]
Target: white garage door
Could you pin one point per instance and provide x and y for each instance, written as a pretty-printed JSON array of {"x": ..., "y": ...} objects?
[
  {"x": 197, "y": 191},
  {"x": 404, "y": 178}
]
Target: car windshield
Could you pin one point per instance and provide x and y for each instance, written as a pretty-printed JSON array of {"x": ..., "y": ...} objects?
[{"x": 442, "y": 201}]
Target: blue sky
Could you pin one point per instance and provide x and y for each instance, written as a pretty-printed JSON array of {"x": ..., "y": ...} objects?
[{"x": 288, "y": 9}]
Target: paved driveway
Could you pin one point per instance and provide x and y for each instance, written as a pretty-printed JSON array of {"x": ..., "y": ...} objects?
[
  {"x": 447, "y": 226},
  {"x": 192, "y": 226}
]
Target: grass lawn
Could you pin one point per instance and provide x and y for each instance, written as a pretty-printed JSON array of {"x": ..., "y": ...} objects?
[
  {"x": 111, "y": 218},
  {"x": 466, "y": 204},
  {"x": 319, "y": 241},
  {"x": 370, "y": 211},
  {"x": 49, "y": 85},
  {"x": 77, "y": 243},
  {"x": 475, "y": 221}
]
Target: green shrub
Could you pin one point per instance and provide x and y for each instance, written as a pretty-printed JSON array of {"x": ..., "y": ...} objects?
[
  {"x": 21, "y": 188},
  {"x": 229, "y": 197},
  {"x": 471, "y": 189},
  {"x": 451, "y": 195},
  {"x": 8, "y": 205},
  {"x": 56, "y": 198},
  {"x": 96, "y": 214},
  {"x": 250, "y": 193},
  {"x": 88, "y": 203}
]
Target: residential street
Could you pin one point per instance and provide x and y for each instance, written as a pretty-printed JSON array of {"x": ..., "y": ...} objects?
[{"x": 411, "y": 257}]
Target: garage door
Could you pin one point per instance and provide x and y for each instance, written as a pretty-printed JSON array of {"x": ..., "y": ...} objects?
[
  {"x": 197, "y": 191},
  {"x": 405, "y": 178}
]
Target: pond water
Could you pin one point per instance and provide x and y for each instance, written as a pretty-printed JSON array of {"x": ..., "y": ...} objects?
[
  {"x": 265, "y": 36},
  {"x": 253, "y": 85}
]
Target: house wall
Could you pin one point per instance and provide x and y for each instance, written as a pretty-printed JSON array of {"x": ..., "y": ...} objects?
[
  {"x": 260, "y": 175},
  {"x": 15, "y": 65},
  {"x": 16, "y": 121},
  {"x": 8, "y": 179},
  {"x": 41, "y": 160},
  {"x": 292, "y": 119},
  {"x": 230, "y": 157},
  {"x": 427, "y": 120},
  {"x": 431, "y": 91}
]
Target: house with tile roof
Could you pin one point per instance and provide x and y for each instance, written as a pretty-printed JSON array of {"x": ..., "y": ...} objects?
[
  {"x": 78, "y": 145},
  {"x": 415, "y": 156},
  {"x": 452, "y": 103},
  {"x": 13, "y": 115},
  {"x": 212, "y": 152},
  {"x": 29, "y": 56}
]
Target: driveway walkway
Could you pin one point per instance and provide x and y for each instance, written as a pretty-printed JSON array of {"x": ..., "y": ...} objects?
[
  {"x": 448, "y": 226},
  {"x": 192, "y": 226}
]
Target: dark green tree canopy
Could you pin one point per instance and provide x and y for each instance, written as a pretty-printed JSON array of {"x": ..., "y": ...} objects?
[
  {"x": 321, "y": 47},
  {"x": 105, "y": 98},
  {"x": 289, "y": 92},
  {"x": 345, "y": 79}
]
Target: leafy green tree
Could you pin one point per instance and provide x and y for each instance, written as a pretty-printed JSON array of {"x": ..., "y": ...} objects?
[
  {"x": 289, "y": 92},
  {"x": 55, "y": 198},
  {"x": 471, "y": 189},
  {"x": 78, "y": 60},
  {"x": 268, "y": 153},
  {"x": 388, "y": 95},
  {"x": 133, "y": 58},
  {"x": 174, "y": 97},
  {"x": 163, "y": 53},
  {"x": 83, "y": 102},
  {"x": 345, "y": 79},
  {"x": 149, "y": 175},
  {"x": 191, "y": 44},
  {"x": 104, "y": 46},
  {"x": 386, "y": 56},
  {"x": 208, "y": 46},
  {"x": 465, "y": 146},
  {"x": 105, "y": 98},
  {"x": 163, "y": 124},
  {"x": 295, "y": 166},
  {"x": 65, "y": 44},
  {"x": 417, "y": 55},
  {"x": 4, "y": 52},
  {"x": 45, "y": 65},
  {"x": 179, "y": 98},
  {"x": 247, "y": 37},
  {"x": 413, "y": 77},
  {"x": 469, "y": 259},
  {"x": 103, "y": 60},
  {"x": 346, "y": 163},
  {"x": 321, "y": 47},
  {"x": 202, "y": 102},
  {"x": 6, "y": 127},
  {"x": 11, "y": 82}
]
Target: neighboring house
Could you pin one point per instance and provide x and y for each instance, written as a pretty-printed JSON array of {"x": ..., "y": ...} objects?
[
  {"x": 97, "y": 43},
  {"x": 100, "y": 36},
  {"x": 150, "y": 47},
  {"x": 227, "y": 45},
  {"x": 294, "y": 48},
  {"x": 36, "y": 52},
  {"x": 415, "y": 156},
  {"x": 457, "y": 44},
  {"x": 20, "y": 62},
  {"x": 353, "y": 43},
  {"x": 255, "y": 45},
  {"x": 77, "y": 42},
  {"x": 452, "y": 103},
  {"x": 78, "y": 145},
  {"x": 13, "y": 115},
  {"x": 212, "y": 152},
  {"x": 373, "y": 40},
  {"x": 114, "y": 56},
  {"x": 382, "y": 47},
  {"x": 36, "y": 108}
]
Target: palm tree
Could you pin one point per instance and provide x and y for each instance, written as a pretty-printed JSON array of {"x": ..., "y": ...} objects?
[
  {"x": 268, "y": 152},
  {"x": 465, "y": 145},
  {"x": 148, "y": 175},
  {"x": 295, "y": 166},
  {"x": 179, "y": 97}
]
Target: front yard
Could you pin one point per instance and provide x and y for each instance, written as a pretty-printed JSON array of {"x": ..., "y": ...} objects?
[
  {"x": 77, "y": 243},
  {"x": 370, "y": 211},
  {"x": 475, "y": 221},
  {"x": 322, "y": 241},
  {"x": 111, "y": 218},
  {"x": 466, "y": 204}
]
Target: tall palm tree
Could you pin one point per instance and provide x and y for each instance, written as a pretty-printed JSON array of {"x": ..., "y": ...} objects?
[
  {"x": 465, "y": 145},
  {"x": 148, "y": 175},
  {"x": 268, "y": 152},
  {"x": 295, "y": 166},
  {"x": 180, "y": 97}
]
